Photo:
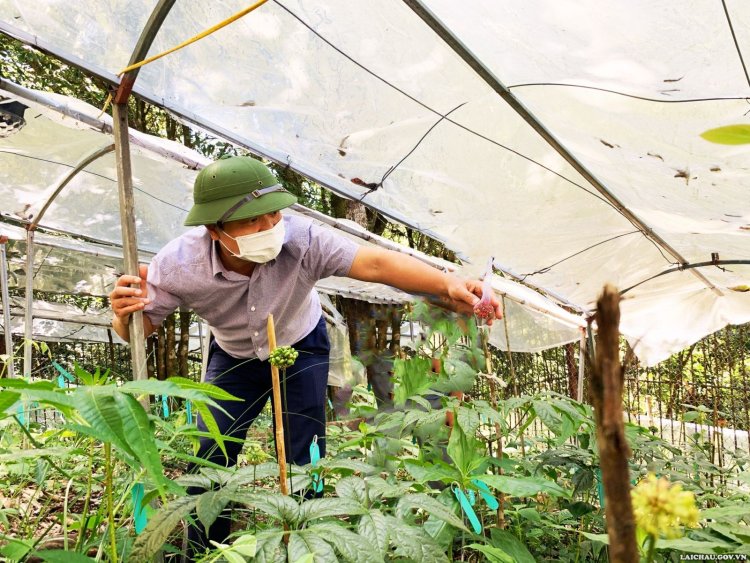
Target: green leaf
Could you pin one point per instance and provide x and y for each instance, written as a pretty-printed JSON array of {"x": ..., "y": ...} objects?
[
  {"x": 62, "y": 556},
  {"x": 601, "y": 538},
  {"x": 29, "y": 454},
  {"x": 246, "y": 545},
  {"x": 493, "y": 554},
  {"x": 269, "y": 548},
  {"x": 15, "y": 549},
  {"x": 511, "y": 545},
  {"x": 352, "y": 547},
  {"x": 374, "y": 527},
  {"x": 524, "y": 486},
  {"x": 160, "y": 526},
  {"x": 8, "y": 399},
  {"x": 414, "y": 544},
  {"x": 210, "y": 504},
  {"x": 352, "y": 488},
  {"x": 325, "y": 507},
  {"x": 464, "y": 451},
  {"x": 275, "y": 505},
  {"x": 721, "y": 512},
  {"x": 139, "y": 435},
  {"x": 304, "y": 542},
  {"x": 431, "y": 506},
  {"x": 102, "y": 416},
  {"x": 728, "y": 135},
  {"x": 423, "y": 473},
  {"x": 350, "y": 464},
  {"x": 211, "y": 426},
  {"x": 691, "y": 546}
]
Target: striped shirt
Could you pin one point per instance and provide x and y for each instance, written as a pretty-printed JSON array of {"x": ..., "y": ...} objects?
[{"x": 188, "y": 273}]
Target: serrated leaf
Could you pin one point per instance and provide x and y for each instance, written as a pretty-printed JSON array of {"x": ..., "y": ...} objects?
[
  {"x": 725, "y": 511},
  {"x": 728, "y": 135},
  {"x": 30, "y": 454},
  {"x": 8, "y": 399},
  {"x": 691, "y": 546},
  {"x": 493, "y": 554},
  {"x": 352, "y": 488},
  {"x": 98, "y": 409},
  {"x": 353, "y": 547},
  {"x": 511, "y": 545},
  {"x": 277, "y": 506},
  {"x": 432, "y": 472},
  {"x": 246, "y": 545},
  {"x": 211, "y": 426},
  {"x": 62, "y": 556},
  {"x": 207, "y": 389},
  {"x": 412, "y": 543},
  {"x": 464, "y": 450},
  {"x": 431, "y": 506},
  {"x": 373, "y": 526},
  {"x": 269, "y": 548},
  {"x": 349, "y": 464},
  {"x": 325, "y": 507},
  {"x": 209, "y": 506},
  {"x": 161, "y": 524},
  {"x": 524, "y": 486},
  {"x": 304, "y": 542},
  {"x": 139, "y": 435}
]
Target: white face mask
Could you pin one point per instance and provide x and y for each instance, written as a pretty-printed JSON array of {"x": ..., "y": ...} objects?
[{"x": 259, "y": 247}]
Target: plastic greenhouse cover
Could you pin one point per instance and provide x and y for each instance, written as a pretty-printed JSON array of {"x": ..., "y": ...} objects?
[
  {"x": 66, "y": 264},
  {"x": 365, "y": 98}
]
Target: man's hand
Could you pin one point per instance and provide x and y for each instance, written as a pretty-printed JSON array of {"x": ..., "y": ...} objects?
[
  {"x": 463, "y": 295},
  {"x": 129, "y": 295}
]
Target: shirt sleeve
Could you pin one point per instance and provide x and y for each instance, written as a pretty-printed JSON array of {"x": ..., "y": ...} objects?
[
  {"x": 329, "y": 253},
  {"x": 163, "y": 302}
]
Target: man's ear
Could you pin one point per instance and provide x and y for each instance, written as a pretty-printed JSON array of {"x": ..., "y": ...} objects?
[{"x": 213, "y": 232}]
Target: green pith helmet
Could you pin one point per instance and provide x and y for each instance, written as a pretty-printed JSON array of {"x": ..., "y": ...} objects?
[{"x": 235, "y": 188}]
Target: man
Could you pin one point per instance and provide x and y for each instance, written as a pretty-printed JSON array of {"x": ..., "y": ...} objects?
[{"x": 245, "y": 260}]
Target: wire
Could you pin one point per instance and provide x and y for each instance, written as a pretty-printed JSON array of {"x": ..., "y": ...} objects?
[
  {"x": 734, "y": 38},
  {"x": 428, "y": 108},
  {"x": 198, "y": 37},
  {"x": 626, "y": 95},
  {"x": 548, "y": 268},
  {"x": 103, "y": 177},
  {"x": 681, "y": 267}
]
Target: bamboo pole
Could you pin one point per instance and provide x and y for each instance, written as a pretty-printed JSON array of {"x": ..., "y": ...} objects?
[
  {"x": 6, "y": 307},
  {"x": 277, "y": 411}
]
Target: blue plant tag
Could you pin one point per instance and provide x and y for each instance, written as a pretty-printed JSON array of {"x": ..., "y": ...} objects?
[
  {"x": 164, "y": 406},
  {"x": 484, "y": 490},
  {"x": 139, "y": 511},
  {"x": 468, "y": 510},
  {"x": 472, "y": 498},
  {"x": 189, "y": 411},
  {"x": 63, "y": 372},
  {"x": 317, "y": 482},
  {"x": 61, "y": 382},
  {"x": 21, "y": 414},
  {"x": 599, "y": 486}
]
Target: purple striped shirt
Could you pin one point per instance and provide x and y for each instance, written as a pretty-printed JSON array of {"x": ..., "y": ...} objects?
[{"x": 188, "y": 273}]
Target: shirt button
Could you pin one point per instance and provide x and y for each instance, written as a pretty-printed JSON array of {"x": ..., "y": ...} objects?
[
  {"x": 256, "y": 334},
  {"x": 252, "y": 308}
]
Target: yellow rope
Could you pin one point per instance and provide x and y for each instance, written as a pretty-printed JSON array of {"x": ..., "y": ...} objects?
[
  {"x": 201, "y": 35},
  {"x": 106, "y": 106}
]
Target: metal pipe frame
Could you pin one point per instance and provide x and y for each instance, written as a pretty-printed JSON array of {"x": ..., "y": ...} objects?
[
  {"x": 6, "y": 305},
  {"x": 424, "y": 13}
]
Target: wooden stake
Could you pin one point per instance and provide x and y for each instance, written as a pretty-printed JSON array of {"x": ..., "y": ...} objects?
[
  {"x": 277, "y": 407},
  {"x": 606, "y": 395}
]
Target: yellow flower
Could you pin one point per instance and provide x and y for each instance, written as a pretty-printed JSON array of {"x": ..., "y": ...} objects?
[{"x": 662, "y": 509}]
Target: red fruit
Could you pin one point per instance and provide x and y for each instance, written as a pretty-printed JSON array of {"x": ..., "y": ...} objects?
[{"x": 484, "y": 310}]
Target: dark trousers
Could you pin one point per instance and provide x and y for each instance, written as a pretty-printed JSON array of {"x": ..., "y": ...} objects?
[{"x": 303, "y": 408}]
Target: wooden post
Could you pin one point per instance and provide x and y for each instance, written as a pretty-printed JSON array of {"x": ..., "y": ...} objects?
[
  {"x": 277, "y": 406},
  {"x": 606, "y": 395},
  {"x": 6, "y": 306}
]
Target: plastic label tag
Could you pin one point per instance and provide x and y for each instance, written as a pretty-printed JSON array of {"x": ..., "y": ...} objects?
[
  {"x": 484, "y": 490},
  {"x": 468, "y": 510},
  {"x": 317, "y": 482},
  {"x": 139, "y": 511}
]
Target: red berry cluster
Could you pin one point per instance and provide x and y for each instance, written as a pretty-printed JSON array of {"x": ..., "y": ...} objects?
[{"x": 484, "y": 310}]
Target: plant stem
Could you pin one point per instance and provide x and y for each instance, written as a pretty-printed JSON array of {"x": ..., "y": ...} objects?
[
  {"x": 84, "y": 515},
  {"x": 110, "y": 504},
  {"x": 651, "y": 548}
]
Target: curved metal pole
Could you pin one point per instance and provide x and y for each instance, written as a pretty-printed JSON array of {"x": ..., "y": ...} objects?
[
  {"x": 418, "y": 7},
  {"x": 688, "y": 267},
  {"x": 94, "y": 155},
  {"x": 6, "y": 306},
  {"x": 125, "y": 178},
  {"x": 28, "y": 314}
]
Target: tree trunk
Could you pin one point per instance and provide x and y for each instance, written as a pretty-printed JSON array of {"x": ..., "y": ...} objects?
[
  {"x": 161, "y": 353},
  {"x": 182, "y": 353},
  {"x": 171, "y": 345},
  {"x": 606, "y": 392}
]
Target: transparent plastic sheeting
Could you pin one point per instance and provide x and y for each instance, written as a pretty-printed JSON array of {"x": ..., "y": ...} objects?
[
  {"x": 70, "y": 265},
  {"x": 351, "y": 93}
]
